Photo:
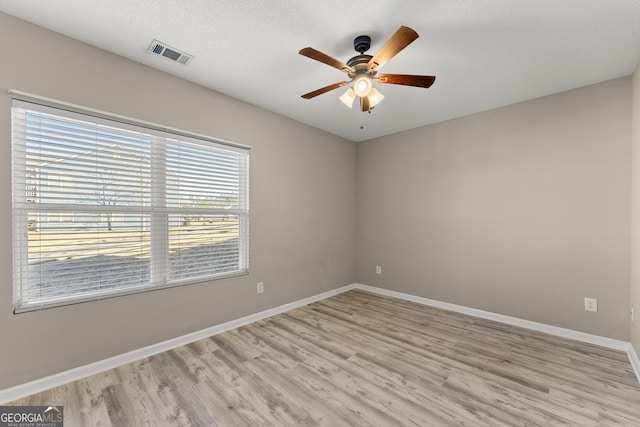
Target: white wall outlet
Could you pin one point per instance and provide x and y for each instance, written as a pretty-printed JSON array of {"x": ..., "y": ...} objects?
[
  {"x": 632, "y": 315},
  {"x": 378, "y": 269},
  {"x": 260, "y": 287},
  {"x": 590, "y": 304}
]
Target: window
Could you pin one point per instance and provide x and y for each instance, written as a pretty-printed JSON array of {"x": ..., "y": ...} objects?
[{"x": 104, "y": 208}]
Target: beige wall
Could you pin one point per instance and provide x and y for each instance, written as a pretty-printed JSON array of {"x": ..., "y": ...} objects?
[
  {"x": 302, "y": 207},
  {"x": 635, "y": 225},
  {"x": 523, "y": 210}
]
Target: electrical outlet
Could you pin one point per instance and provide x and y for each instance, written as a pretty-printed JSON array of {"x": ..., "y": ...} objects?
[
  {"x": 632, "y": 315},
  {"x": 260, "y": 287},
  {"x": 378, "y": 269},
  {"x": 590, "y": 304}
]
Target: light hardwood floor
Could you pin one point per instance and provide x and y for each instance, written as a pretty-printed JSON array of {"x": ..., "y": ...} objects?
[{"x": 362, "y": 359}]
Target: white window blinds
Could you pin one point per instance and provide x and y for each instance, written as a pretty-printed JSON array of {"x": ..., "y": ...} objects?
[{"x": 103, "y": 208}]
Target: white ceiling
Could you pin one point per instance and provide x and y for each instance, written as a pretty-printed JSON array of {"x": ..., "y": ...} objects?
[{"x": 485, "y": 53}]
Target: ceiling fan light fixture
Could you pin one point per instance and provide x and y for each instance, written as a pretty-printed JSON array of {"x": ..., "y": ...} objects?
[
  {"x": 375, "y": 97},
  {"x": 362, "y": 86},
  {"x": 348, "y": 97}
]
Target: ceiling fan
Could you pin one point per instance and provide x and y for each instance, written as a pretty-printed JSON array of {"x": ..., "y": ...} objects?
[{"x": 362, "y": 69}]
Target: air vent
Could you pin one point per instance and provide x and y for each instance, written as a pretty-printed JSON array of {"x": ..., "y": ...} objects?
[{"x": 159, "y": 48}]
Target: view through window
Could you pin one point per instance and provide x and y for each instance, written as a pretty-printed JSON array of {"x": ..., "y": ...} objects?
[{"x": 102, "y": 208}]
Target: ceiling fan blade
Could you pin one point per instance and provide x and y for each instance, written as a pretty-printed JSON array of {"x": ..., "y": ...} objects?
[
  {"x": 323, "y": 90},
  {"x": 310, "y": 52},
  {"x": 407, "y": 80},
  {"x": 364, "y": 103},
  {"x": 398, "y": 41}
]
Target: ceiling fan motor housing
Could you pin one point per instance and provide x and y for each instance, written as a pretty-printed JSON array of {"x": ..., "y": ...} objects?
[
  {"x": 359, "y": 60},
  {"x": 359, "y": 64}
]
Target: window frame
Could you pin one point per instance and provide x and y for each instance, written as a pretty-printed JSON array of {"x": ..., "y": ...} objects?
[{"x": 162, "y": 137}]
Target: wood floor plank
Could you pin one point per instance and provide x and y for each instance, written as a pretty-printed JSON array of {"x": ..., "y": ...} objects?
[
  {"x": 532, "y": 408},
  {"x": 362, "y": 359},
  {"x": 284, "y": 381},
  {"x": 258, "y": 401}
]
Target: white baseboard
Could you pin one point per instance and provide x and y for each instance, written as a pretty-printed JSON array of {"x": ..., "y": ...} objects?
[
  {"x": 528, "y": 324},
  {"x": 42, "y": 384},
  {"x": 541, "y": 327},
  {"x": 635, "y": 362}
]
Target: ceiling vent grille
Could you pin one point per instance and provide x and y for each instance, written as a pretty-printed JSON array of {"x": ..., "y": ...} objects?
[{"x": 159, "y": 48}]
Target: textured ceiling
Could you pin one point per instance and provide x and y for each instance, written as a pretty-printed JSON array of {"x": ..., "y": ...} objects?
[{"x": 485, "y": 53}]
